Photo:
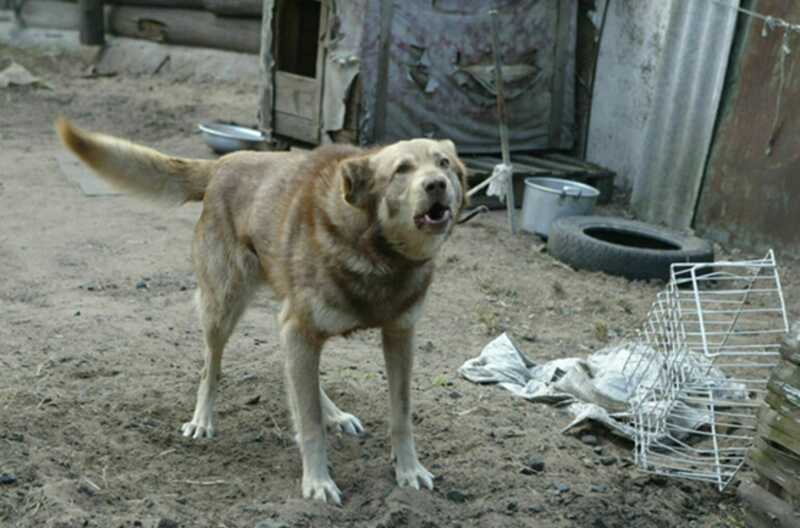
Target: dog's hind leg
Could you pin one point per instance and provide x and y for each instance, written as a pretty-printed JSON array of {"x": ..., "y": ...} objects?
[
  {"x": 226, "y": 280},
  {"x": 302, "y": 375},
  {"x": 337, "y": 419}
]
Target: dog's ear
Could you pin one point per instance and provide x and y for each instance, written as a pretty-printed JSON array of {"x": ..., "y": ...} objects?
[
  {"x": 459, "y": 169},
  {"x": 357, "y": 181}
]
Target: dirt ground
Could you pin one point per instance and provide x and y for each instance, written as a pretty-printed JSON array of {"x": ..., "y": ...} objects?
[{"x": 100, "y": 352}]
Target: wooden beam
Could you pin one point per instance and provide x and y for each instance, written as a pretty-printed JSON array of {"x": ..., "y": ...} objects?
[
  {"x": 50, "y": 14},
  {"x": 266, "y": 103},
  {"x": 219, "y": 7},
  {"x": 92, "y": 23},
  {"x": 559, "y": 80},
  {"x": 179, "y": 4},
  {"x": 186, "y": 27},
  {"x": 235, "y": 7}
]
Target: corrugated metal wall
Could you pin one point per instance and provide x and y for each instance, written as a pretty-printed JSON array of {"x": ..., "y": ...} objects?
[{"x": 660, "y": 76}]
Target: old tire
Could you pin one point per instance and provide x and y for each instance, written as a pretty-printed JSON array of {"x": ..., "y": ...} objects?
[{"x": 627, "y": 248}]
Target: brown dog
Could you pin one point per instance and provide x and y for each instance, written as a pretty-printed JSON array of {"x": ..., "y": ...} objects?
[{"x": 345, "y": 237}]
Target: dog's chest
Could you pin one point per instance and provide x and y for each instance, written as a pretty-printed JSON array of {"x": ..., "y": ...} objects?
[{"x": 374, "y": 300}]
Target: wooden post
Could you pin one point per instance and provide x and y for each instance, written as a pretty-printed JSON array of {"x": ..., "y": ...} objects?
[
  {"x": 267, "y": 65},
  {"x": 92, "y": 28},
  {"x": 502, "y": 119}
]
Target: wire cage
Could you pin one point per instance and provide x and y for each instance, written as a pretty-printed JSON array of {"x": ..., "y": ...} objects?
[{"x": 700, "y": 374}]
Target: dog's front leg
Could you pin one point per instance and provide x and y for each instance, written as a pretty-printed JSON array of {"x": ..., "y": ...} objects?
[
  {"x": 302, "y": 369},
  {"x": 398, "y": 352}
]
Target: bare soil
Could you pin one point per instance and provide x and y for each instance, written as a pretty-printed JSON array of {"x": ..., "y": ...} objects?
[{"x": 100, "y": 352}]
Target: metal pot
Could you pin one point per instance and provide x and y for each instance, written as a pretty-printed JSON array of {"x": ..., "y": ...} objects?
[{"x": 549, "y": 198}]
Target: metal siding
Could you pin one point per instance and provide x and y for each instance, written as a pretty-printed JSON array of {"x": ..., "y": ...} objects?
[
  {"x": 679, "y": 131},
  {"x": 660, "y": 76}
]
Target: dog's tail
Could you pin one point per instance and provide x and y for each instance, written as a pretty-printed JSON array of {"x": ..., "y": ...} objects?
[{"x": 137, "y": 169}]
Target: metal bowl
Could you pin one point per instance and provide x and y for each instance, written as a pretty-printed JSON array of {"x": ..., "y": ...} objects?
[{"x": 229, "y": 138}]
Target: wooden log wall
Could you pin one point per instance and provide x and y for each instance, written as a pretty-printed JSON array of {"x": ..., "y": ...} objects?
[
  {"x": 773, "y": 500},
  {"x": 233, "y": 25}
]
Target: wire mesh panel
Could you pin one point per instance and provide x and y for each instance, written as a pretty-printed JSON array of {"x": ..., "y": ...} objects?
[{"x": 708, "y": 345}]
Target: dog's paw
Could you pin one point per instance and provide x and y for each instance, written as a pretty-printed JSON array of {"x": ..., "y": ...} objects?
[
  {"x": 196, "y": 430},
  {"x": 323, "y": 489},
  {"x": 345, "y": 423},
  {"x": 413, "y": 476}
]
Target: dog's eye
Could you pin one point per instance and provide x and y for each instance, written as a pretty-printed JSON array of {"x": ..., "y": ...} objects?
[
  {"x": 405, "y": 166},
  {"x": 444, "y": 163}
]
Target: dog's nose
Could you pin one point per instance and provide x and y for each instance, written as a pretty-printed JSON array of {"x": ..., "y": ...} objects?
[{"x": 435, "y": 186}]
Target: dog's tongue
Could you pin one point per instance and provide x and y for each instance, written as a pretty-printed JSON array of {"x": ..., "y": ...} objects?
[{"x": 437, "y": 215}]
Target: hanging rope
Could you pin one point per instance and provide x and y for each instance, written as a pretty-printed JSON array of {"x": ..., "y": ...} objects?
[{"x": 772, "y": 23}]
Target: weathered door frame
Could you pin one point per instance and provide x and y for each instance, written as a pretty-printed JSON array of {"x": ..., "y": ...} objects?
[{"x": 291, "y": 104}]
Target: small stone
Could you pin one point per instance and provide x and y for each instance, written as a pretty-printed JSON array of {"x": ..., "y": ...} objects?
[
  {"x": 77, "y": 313},
  {"x": 456, "y": 496},
  {"x": 148, "y": 318},
  {"x": 166, "y": 523},
  {"x": 512, "y": 507},
  {"x": 608, "y": 460},
  {"x": 142, "y": 285},
  {"x": 87, "y": 490},
  {"x": 562, "y": 488},
  {"x": 598, "y": 450},
  {"x": 533, "y": 465},
  {"x": 456, "y": 395},
  {"x": 589, "y": 439},
  {"x": 8, "y": 478},
  {"x": 599, "y": 488},
  {"x": 254, "y": 400},
  {"x": 535, "y": 509}
]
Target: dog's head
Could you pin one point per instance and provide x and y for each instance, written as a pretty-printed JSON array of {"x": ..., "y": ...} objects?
[{"x": 414, "y": 189}]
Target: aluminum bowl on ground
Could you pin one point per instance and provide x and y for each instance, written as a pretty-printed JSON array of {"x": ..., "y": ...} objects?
[{"x": 224, "y": 138}]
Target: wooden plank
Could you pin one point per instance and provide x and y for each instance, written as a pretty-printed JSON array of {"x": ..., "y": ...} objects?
[
  {"x": 266, "y": 103},
  {"x": 776, "y": 465},
  {"x": 322, "y": 53},
  {"x": 558, "y": 79},
  {"x": 790, "y": 348},
  {"x": 780, "y": 429},
  {"x": 92, "y": 23},
  {"x": 783, "y": 389},
  {"x": 50, "y": 14},
  {"x": 235, "y": 7},
  {"x": 564, "y": 168},
  {"x": 180, "y": 4},
  {"x": 765, "y": 510},
  {"x": 290, "y": 125},
  {"x": 186, "y": 27},
  {"x": 295, "y": 94}
]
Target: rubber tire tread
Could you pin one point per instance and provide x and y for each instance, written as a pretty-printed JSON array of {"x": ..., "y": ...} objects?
[{"x": 569, "y": 243}]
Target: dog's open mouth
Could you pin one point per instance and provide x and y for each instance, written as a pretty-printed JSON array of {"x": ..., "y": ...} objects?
[{"x": 437, "y": 217}]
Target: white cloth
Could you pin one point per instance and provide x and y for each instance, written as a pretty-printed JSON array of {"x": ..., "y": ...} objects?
[
  {"x": 596, "y": 388},
  {"x": 501, "y": 175}
]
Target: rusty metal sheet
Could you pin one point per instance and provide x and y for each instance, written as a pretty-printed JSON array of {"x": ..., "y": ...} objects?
[{"x": 750, "y": 198}]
